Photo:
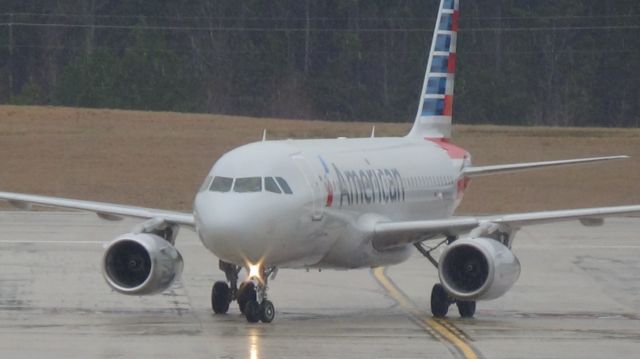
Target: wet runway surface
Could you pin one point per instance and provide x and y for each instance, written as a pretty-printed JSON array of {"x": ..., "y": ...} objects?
[{"x": 578, "y": 297}]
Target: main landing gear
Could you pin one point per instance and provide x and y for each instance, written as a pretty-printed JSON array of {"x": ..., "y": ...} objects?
[
  {"x": 440, "y": 299},
  {"x": 440, "y": 302},
  {"x": 251, "y": 295}
]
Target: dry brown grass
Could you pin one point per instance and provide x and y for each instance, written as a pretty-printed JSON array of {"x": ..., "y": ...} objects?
[{"x": 158, "y": 159}]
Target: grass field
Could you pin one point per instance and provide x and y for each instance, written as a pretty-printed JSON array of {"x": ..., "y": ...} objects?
[{"x": 159, "y": 159}]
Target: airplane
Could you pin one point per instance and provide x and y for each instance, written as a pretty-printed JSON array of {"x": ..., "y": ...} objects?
[{"x": 342, "y": 203}]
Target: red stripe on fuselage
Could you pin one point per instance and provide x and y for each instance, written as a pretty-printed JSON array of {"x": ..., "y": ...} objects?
[
  {"x": 329, "y": 187},
  {"x": 463, "y": 184}
]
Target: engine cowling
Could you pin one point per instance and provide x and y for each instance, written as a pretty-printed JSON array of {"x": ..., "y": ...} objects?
[
  {"x": 477, "y": 269},
  {"x": 141, "y": 263}
]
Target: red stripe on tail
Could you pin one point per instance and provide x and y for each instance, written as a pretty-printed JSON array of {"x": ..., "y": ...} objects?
[
  {"x": 455, "y": 20},
  {"x": 451, "y": 64},
  {"x": 448, "y": 105}
]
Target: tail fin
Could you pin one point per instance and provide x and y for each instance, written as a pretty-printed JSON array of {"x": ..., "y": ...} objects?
[{"x": 433, "y": 119}]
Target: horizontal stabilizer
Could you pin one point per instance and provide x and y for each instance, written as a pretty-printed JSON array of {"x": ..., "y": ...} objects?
[{"x": 496, "y": 169}]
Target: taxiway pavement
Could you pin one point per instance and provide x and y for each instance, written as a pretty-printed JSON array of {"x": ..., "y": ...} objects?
[{"x": 578, "y": 297}]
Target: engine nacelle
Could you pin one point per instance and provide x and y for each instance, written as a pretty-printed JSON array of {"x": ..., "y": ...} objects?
[
  {"x": 141, "y": 263},
  {"x": 477, "y": 269}
]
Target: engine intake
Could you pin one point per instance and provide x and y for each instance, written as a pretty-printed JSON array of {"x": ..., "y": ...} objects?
[
  {"x": 141, "y": 263},
  {"x": 478, "y": 268}
]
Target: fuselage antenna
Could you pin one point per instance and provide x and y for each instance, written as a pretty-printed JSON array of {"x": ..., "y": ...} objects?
[
  {"x": 373, "y": 132},
  {"x": 264, "y": 135}
]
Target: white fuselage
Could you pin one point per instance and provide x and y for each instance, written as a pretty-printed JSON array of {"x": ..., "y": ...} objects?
[{"x": 339, "y": 189}]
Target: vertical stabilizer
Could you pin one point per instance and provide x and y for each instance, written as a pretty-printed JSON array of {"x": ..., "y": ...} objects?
[{"x": 433, "y": 119}]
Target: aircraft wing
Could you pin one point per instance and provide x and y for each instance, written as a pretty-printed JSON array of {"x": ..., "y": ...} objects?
[
  {"x": 107, "y": 211},
  {"x": 393, "y": 234},
  {"x": 476, "y": 171}
]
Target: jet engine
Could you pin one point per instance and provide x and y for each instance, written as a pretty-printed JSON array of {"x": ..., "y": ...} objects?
[
  {"x": 141, "y": 263},
  {"x": 477, "y": 269}
]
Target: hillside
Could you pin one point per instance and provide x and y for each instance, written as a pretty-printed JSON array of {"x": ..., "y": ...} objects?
[{"x": 158, "y": 159}]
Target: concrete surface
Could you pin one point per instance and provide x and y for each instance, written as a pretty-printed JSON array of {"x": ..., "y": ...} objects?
[{"x": 578, "y": 297}]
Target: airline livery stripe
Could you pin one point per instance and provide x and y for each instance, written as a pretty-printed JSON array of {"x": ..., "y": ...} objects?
[
  {"x": 433, "y": 118},
  {"x": 449, "y": 4},
  {"x": 448, "y": 105},
  {"x": 451, "y": 64},
  {"x": 455, "y": 21}
]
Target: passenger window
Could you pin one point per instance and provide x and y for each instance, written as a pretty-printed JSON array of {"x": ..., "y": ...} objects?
[
  {"x": 248, "y": 184},
  {"x": 270, "y": 185},
  {"x": 205, "y": 184},
  {"x": 221, "y": 184},
  {"x": 284, "y": 185}
]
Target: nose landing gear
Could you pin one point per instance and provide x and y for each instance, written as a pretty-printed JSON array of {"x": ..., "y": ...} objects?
[
  {"x": 264, "y": 311},
  {"x": 251, "y": 295}
]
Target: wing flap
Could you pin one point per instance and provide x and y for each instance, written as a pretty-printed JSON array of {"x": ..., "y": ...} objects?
[
  {"x": 394, "y": 234},
  {"x": 388, "y": 235},
  {"x": 110, "y": 211},
  {"x": 590, "y": 215},
  {"x": 517, "y": 167}
]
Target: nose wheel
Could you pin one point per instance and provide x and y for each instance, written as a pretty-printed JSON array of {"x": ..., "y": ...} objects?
[
  {"x": 251, "y": 295},
  {"x": 264, "y": 312},
  {"x": 267, "y": 311},
  {"x": 246, "y": 293}
]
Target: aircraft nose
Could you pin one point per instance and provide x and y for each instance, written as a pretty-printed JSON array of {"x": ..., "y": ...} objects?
[{"x": 232, "y": 230}]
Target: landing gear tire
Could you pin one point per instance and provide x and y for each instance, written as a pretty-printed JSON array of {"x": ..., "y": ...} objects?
[
  {"x": 246, "y": 293},
  {"x": 267, "y": 311},
  {"x": 252, "y": 311},
  {"x": 466, "y": 309},
  {"x": 439, "y": 301},
  {"x": 220, "y": 297}
]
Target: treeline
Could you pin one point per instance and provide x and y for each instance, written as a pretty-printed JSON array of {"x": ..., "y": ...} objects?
[{"x": 530, "y": 62}]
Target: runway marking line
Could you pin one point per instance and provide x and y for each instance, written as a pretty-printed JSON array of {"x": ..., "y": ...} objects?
[{"x": 440, "y": 329}]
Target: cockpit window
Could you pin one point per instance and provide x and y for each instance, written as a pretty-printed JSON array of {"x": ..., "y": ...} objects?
[
  {"x": 205, "y": 184},
  {"x": 284, "y": 185},
  {"x": 248, "y": 184},
  {"x": 221, "y": 184},
  {"x": 270, "y": 185}
]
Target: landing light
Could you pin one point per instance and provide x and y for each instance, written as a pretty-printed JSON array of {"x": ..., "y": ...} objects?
[{"x": 254, "y": 271}]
